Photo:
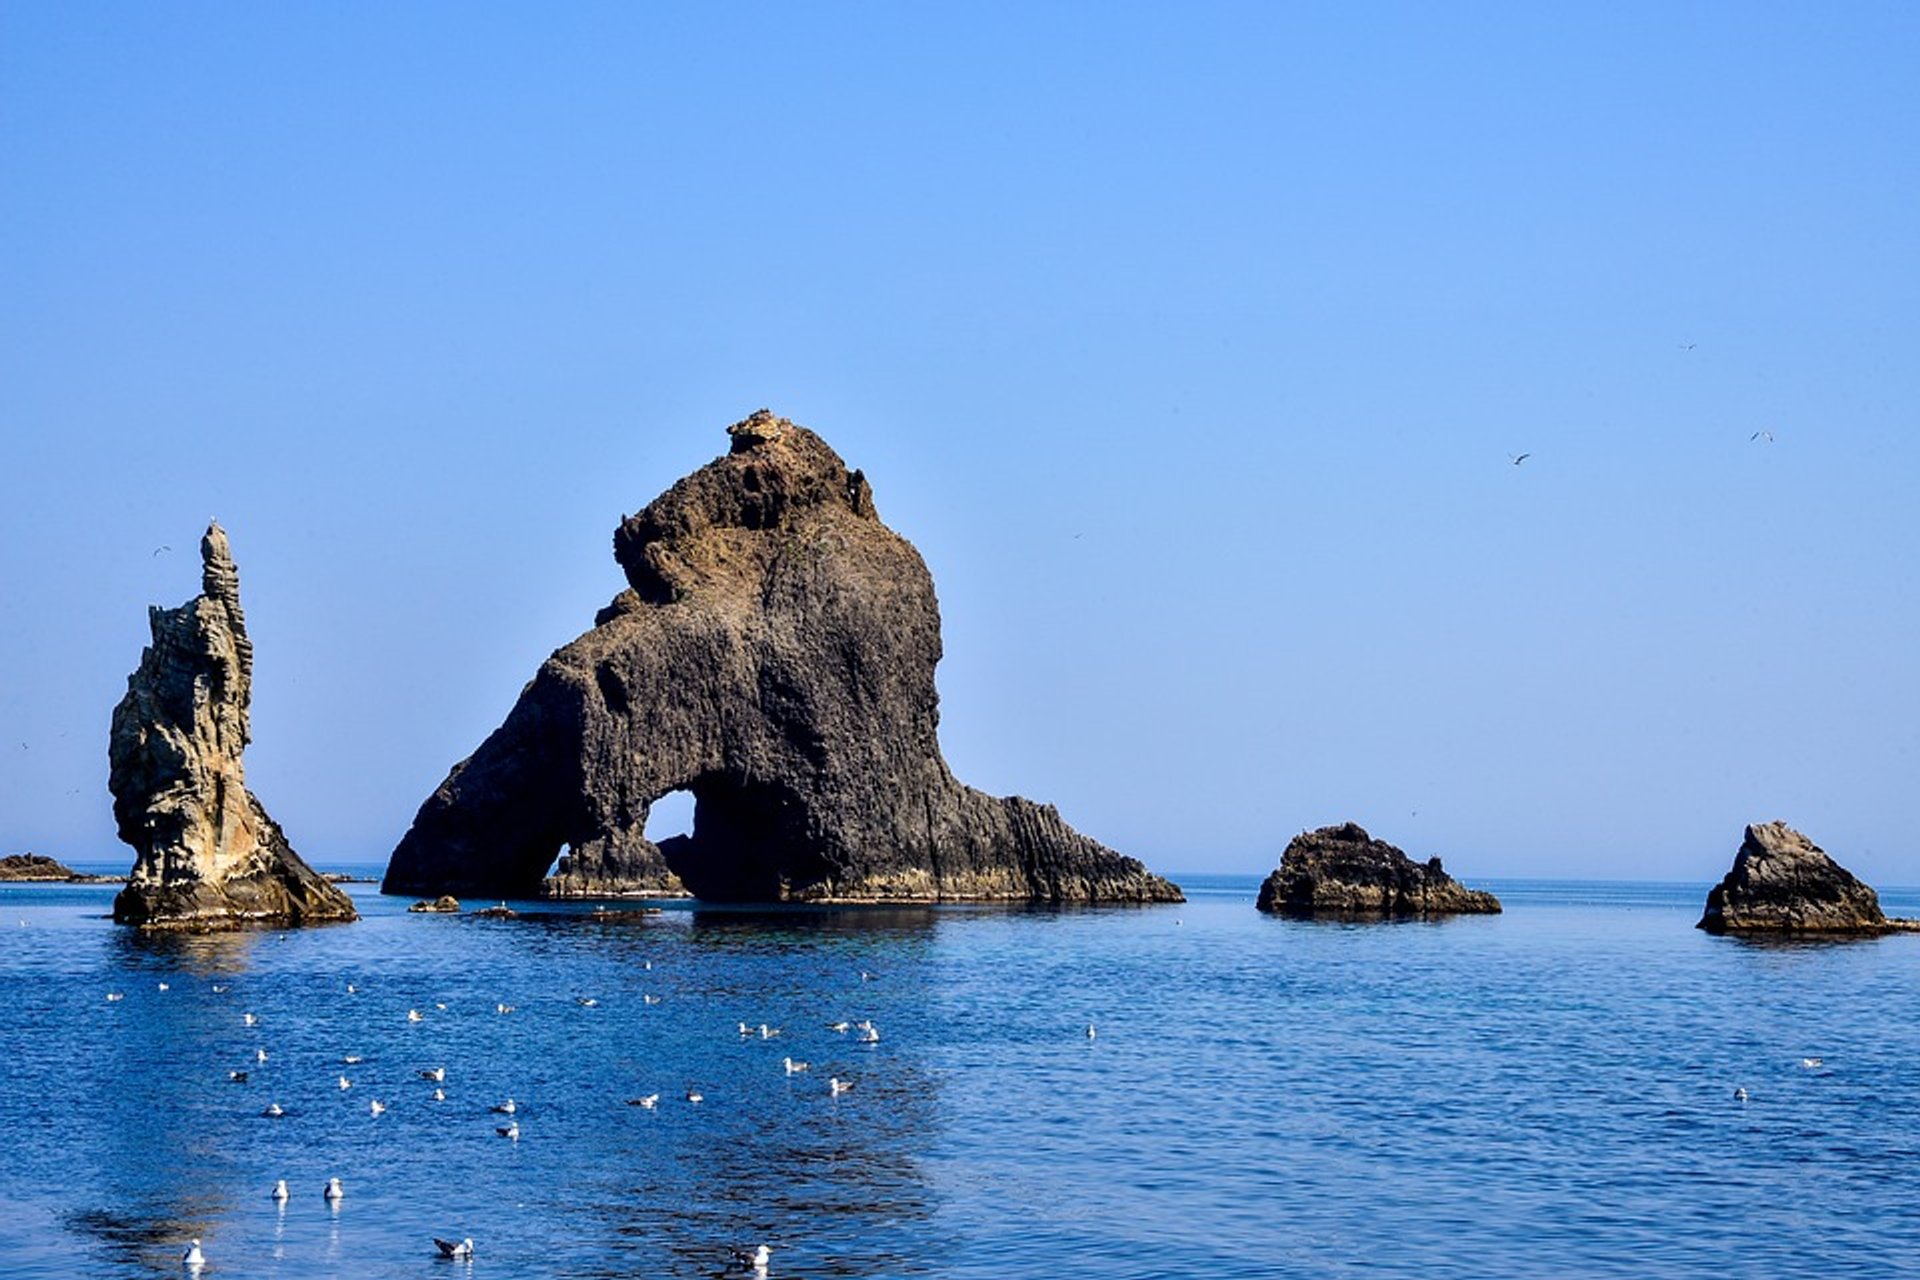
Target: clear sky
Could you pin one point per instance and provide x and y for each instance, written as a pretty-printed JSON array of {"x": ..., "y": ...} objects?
[{"x": 1189, "y": 343}]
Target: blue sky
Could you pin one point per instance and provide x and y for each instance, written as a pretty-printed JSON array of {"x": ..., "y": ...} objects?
[{"x": 1189, "y": 344}]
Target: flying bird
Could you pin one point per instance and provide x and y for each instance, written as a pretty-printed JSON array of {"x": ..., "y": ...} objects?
[
  {"x": 1519, "y": 458},
  {"x": 158, "y": 550},
  {"x": 1767, "y": 436}
]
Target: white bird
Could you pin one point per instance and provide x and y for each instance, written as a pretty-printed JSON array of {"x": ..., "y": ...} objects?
[
  {"x": 745, "y": 1030},
  {"x": 165, "y": 987},
  {"x": 585, "y": 1002},
  {"x": 767, "y": 1032},
  {"x": 508, "y": 1107},
  {"x": 115, "y": 996},
  {"x": 352, "y": 1059},
  {"x": 219, "y": 989},
  {"x": 345, "y": 1083},
  {"x": 693, "y": 1096},
  {"x": 259, "y": 1055},
  {"x": 436, "y": 1074},
  {"x": 650, "y": 999},
  {"x": 376, "y": 1106},
  {"x": 249, "y": 1020},
  {"x": 841, "y": 1027},
  {"x": 238, "y": 1077},
  {"x": 439, "y": 1095},
  {"x": 334, "y": 1190},
  {"x": 280, "y": 1190},
  {"x": 448, "y": 1249},
  {"x": 503, "y": 1008},
  {"x": 1740, "y": 1095},
  {"x": 1091, "y": 1033},
  {"x": 648, "y": 964},
  {"x": 1811, "y": 1063},
  {"x": 647, "y": 1102},
  {"x": 836, "y": 1086},
  {"x": 193, "y": 1257},
  {"x": 352, "y": 990},
  {"x": 274, "y": 1111},
  {"x": 414, "y": 1015},
  {"x": 509, "y": 1130},
  {"x": 441, "y": 1005},
  {"x": 758, "y": 1260},
  {"x": 869, "y": 1034},
  {"x": 793, "y": 1067}
]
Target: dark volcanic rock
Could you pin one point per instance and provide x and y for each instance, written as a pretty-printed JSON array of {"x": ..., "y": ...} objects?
[
  {"x": 445, "y": 904},
  {"x": 208, "y": 854},
  {"x": 1782, "y": 882},
  {"x": 774, "y": 655},
  {"x": 1342, "y": 871},
  {"x": 34, "y": 866}
]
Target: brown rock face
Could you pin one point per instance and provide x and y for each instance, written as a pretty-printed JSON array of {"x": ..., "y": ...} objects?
[
  {"x": 1782, "y": 882},
  {"x": 208, "y": 854},
  {"x": 34, "y": 866},
  {"x": 1342, "y": 871},
  {"x": 773, "y": 655}
]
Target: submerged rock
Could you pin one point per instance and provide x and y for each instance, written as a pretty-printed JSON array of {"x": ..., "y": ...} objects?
[
  {"x": 1782, "y": 882},
  {"x": 445, "y": 904},
  {"x": 1342, "y": 871},
  {"x": 774, "y": 655},
  {"x": 208, "y": 854}
]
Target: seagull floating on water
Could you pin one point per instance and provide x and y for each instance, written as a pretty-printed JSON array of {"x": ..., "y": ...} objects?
[
  {"x": 352, "y": 1059},
  {"x": 238, "y": 1077},
  {"x": 509, "y": 1130},
  {"x": 647, "y": 1102},
  {"x": 414, "y": 1015},
  {"x": 1811, "y": 1063},
  {"x": 219, "y": 989},
  {"x": 334, "y": 1190},
  {"x": 448, "y": 1249},
  {"x": 1740, "y": 1095},
  {"x": 345, "y": 1083},
  {"x": 280, "y": 1190},
  {"x": 259, "y": 1055},
  {"x": 836, "y": 1086},
  {"x": 695, "y": 1096},
  {"x": 248, "y": 1019},
  {"x": 869, "y": 1034},
  {"x": 165, "y": 987},
  {"x": 1091, "y": 1033},
  {"x": 434, "y": 1073},
  {"x": 439, "y": 1095},
  {"x": 113, "y": 996},
  {"x": 274, "y": 1111},
  {"x": 650, "y": 999},
  {"x": 508, "y": 1107},
  {"x": 793, "y": 1067},
  {"x": 841, "y": 1027},
  {"x": 503, "y": 1008},
  {"x": 767, "y": 1032},
  {"x": 376, "y": 1106},
  {"x": 585, "y": 1002},
  {"x": 193, "y": 1257},
  {"x": 758, "y": 1260}
]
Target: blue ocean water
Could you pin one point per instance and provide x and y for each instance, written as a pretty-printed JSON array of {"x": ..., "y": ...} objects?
[{"x": 1549, "y": 1092}]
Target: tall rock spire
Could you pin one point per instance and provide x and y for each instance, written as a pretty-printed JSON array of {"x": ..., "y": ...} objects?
[{"x": 207, "y": 853}]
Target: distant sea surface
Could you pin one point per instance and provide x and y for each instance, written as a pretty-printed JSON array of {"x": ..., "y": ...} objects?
[{"x": 1546, "y": 1093}]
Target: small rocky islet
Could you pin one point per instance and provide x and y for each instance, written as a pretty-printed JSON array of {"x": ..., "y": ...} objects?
[
  {"x": 1342, "y": 872},
  {"x": 1782, "y": 883}
]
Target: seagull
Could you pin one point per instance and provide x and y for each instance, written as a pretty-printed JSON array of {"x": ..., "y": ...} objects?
[
  {"x": 650, "y": 999},
  {"x": 1811, "y": 1063},
  {"x": 1687, "y": 346},
  {"x": 794, "y": 1067},
  {"x": 745, "y": 1030},
  {"x": 441, "y": 1005},
  {"x": 503, "y": 1008},
  {"x": 693, "y": 1096},
  {"x": 767, "y": 1032},
  {"x": 585, "y": 1002},
  {"x": 113, "y": 997},
  {"x": 238, "y": 1077},
  {"x": 647, "y": 1102},
  {"x": 448, "y": 1249},
  {"x": 259, "y": 1055},
  {"x": 413, "y": 1015},
  {"x": 274, "y": 1111},
  {"x": 436, "y": 1074},
  {"x": 755, "y": 1261},
  {"x": 165, "y": 987},
  {"x": 648, "y": 965},
  {"x": 508, "y": 1107},
  {"x": 280, "y": 1191},
  {"x": 1091, "y": 1033},
  {"x": 841, "y": 1027},
  {"x": 1761, "y": 435},
  {"x": 439, "y": 1095},
  {"x": 1740, "y": 1095},
  {"x": 156, "y": 551},
  {"x": 376, "y": 1106},
  {"x": 352, "y": 1059},
  {"x": 836, "y": 1086},
  {"x": 509, "y": 1130},
  {"x": 193, "y": 1258},
  {"x": 219, "y": 990},
  {"x": 334, "y": 1190},
  {"x": 249, "y": 1019},
  {"x": 869, "y": 1034},
  {"x": 345, "y": 1083},
  {"x": 1519, "y": 458}
]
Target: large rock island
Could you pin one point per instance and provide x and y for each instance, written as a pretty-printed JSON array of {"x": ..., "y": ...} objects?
[
  {"x": 1343, "y": 872},
  {"x": 773, "y": 654},
  {"x": 1783, "y": 883},
  {"x": 208, "y": 854}
]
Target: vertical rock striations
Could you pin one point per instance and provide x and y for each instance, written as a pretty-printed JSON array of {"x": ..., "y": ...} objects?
[
  {"x": 1342, "y": 871},
  {"x": 208, "y": 854},
  {"x": 774, "y": 655},
  {"x": 1782, "y": 882}
]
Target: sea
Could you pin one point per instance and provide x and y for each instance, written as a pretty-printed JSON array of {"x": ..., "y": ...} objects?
[{"x": 1109, "y": 1094}]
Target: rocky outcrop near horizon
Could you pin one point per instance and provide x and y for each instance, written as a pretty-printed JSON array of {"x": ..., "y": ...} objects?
[
  {"x": 21, "y": 867},
  {"x": 207, "y": 854},
  {"x": 773, "y": 654},
  {"x": 1343, "y": 872},
  {"x": 1783, "y": 883}
]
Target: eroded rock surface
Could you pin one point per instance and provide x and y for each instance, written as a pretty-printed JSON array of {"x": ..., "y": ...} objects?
[
  {"x": 774, "y": 655},
  {"x": 208, "y": 854},
  {"x": 1343, "y": 871},
  {"x": 35, "y": 866},
  {"x": 1782, "y": 882}
]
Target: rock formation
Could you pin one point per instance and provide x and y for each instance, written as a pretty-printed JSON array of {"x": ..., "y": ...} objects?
[
  {"x": 36, "y": 866},
  {"x": 1342, "y": 871},
  {"x": 1782, "y": 882},
  {"x": 773, "y": 654},
  {"x": 208, "y": 854}
]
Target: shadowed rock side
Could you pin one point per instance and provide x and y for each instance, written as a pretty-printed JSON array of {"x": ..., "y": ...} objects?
[
  {"x": 208, "y": 854},
  {"x": 1342, "y": 871},
  {"x": 774, "y": 655},
  {"x": 1782, "y": 882}
]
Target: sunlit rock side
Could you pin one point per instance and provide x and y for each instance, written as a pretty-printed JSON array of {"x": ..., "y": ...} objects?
[
  {"x": 208, "y": 856},
  {"x": 1782, "y": 882},
  {"x": 1342, "y": 871},
  {"x": 774, "y": 655}
]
